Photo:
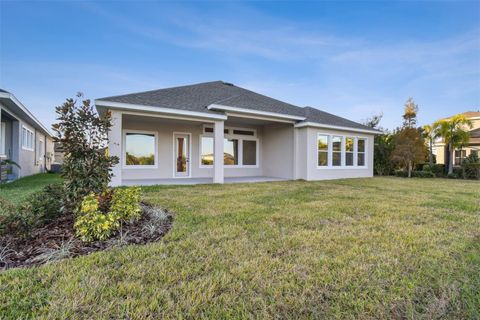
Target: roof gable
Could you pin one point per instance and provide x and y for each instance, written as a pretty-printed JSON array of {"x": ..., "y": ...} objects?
[{"x": 198, "y": 97}]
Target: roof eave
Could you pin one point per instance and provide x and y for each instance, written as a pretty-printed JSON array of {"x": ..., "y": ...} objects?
[
  {"x": 254, "y": 112},
  {"x": 328, "y": 126},
  {"x": 32, "y": 118},
  {"x": 155, "y": 109}
]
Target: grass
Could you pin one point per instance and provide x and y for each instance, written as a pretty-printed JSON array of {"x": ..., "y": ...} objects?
[
  {"x": 18, "y": 190},
  {"x": 363, "y": 248}
]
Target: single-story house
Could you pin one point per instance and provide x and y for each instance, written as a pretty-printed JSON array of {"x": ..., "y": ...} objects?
[
  {"x": 218, "y": 132},
  {"x": 23, "y": 139},
  {"x": 441, "y": 150}
]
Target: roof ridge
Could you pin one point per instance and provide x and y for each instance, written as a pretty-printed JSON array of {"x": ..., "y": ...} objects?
[{"x": 167, "y": 88}]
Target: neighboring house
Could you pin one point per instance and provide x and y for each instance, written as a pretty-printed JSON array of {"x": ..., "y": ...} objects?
[
  {"x": 176, "y": 135},
  {"x": 23, "y": 138},
  {"x": 441, "y": 151}
]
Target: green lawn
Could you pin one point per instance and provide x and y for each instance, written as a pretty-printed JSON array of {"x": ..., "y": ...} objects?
[
  {"x": 18, "y": 190},
  {"x": 364, "y": 248}
]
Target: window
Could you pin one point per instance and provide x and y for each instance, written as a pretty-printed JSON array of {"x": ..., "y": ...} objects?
[
  {"x": 349, "y": 149},
  {"x": 230, "y": 152},
  {"x": 244, "y": 132},
  {"x": 249, "y": 152},
  {"x": 206, "y": 153},
  {"x": 459, "y": 156},
  {"x": 140, "y": 149},
  {"x": 322, "y": 142},
  {"x": 27, "y": 139},
  {"x": 210, "y": 130},
  {"x": 337, "y": 151},
  {"x": 361, "y": 152},
  {"x": 3, "y": 138},
  {"x": 240, "y": 147}
]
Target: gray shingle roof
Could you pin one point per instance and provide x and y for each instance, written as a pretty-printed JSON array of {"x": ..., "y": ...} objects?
[{"x": 197, "y": 97}]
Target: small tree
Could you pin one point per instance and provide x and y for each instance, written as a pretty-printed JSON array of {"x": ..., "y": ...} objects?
[
  {"x": 409, "y": 143},
  {"x": 455, "y": 134},
  {"x": 409, "y": 148},
  {"x": 83, "y": 135},
  {"x": 410, "y": 114}
]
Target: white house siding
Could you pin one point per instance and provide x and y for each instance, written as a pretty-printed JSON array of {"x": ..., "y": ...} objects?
[
  {"x": 308, "y": 137},
  {"x": 301, "y": 146},
  {"x": 278, "y": 151},
  {"x": 165, "y": 146}
]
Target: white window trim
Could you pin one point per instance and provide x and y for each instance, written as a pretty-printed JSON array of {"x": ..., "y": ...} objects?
[
  {"x": 330, "y": 151},
  {"x": 189, "y": 155},
  {"x": 41, "y": 150},
  {"x": 124, "y": 150},
  {"x": 3, "y": 139},
  {"x": 240, "y": 139},
  {"x": 24, "y": 146},
  {"x": 230, "y": 131}
]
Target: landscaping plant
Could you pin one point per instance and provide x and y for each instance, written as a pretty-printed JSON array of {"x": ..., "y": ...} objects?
[
  {"x": 39, "y": 208},
  {"x": 98, "y": 221},
  {"x": 87, "y": 166}
]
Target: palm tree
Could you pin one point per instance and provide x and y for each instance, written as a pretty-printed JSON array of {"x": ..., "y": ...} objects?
[
  {"x": 430, "y": 133},
  {"x": 454, "y": 133}
]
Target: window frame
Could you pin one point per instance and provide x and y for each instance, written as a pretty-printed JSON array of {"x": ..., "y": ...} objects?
[
  {"x": 25, "y": 143},
  {"x": 3, "y": 139},
  {"x": 343, "y": 151},
  {"x": 240, "y": 139},
  {"x": 124, "y": 149},
  {"x": 364, "y": 152}
]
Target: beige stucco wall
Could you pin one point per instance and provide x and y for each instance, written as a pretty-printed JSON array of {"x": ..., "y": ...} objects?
[
  {"x": 278, "y": 151},
  {"x": 308, "y": 156}
]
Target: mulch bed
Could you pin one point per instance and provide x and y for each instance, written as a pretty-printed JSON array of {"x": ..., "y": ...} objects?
[{"x": 59, "y": 234}]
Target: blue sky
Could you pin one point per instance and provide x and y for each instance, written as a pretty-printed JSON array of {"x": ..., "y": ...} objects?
[{"x": 353, "y": 59}]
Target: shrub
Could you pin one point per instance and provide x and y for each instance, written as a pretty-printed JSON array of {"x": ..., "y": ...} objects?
[
  {"x": 458, "y": 172},
  {"x": 83, "y": 136},
  {"x": 125, "y": 204},
  {"x": 39, "y": 209},
  {"x": 426, "y": 167},
  {"x": 471, "y": 167},
  {"x": 423, "y": 174},
  {"x": 452, "y": 176},
  {"x": 91, "y": 223},
  {"x": 401, "y": 173},
  {"x": 100, "y": 216},
  {"x": 438, "y": 170},
  {"x": 415, "y": 174}
]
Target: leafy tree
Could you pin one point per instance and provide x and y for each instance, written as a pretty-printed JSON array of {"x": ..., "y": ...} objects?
[
  {"x": 83, "y": 135},
  {"x": 409, "y": 143},
  {"x": 384, "y": 145},
  {"x": 430, "y": 133},
  {"x": 410, "y": 114},
  {"x": 455, "y": 134},
  {"x": 409, "y": 148}
]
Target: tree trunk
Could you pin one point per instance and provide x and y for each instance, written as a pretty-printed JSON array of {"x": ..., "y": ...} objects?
[
  {"x": 450, "y": 161},
  {"x": 409, "y": 169},
  {"x": 431, "y": 153}
]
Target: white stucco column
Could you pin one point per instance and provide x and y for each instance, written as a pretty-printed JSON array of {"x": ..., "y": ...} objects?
[
  {"x": 218, "y": 174},
  {"x": 115, "y": 146}
]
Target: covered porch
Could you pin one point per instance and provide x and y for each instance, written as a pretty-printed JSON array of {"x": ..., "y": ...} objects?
[{"x": 170, "y": 149}]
